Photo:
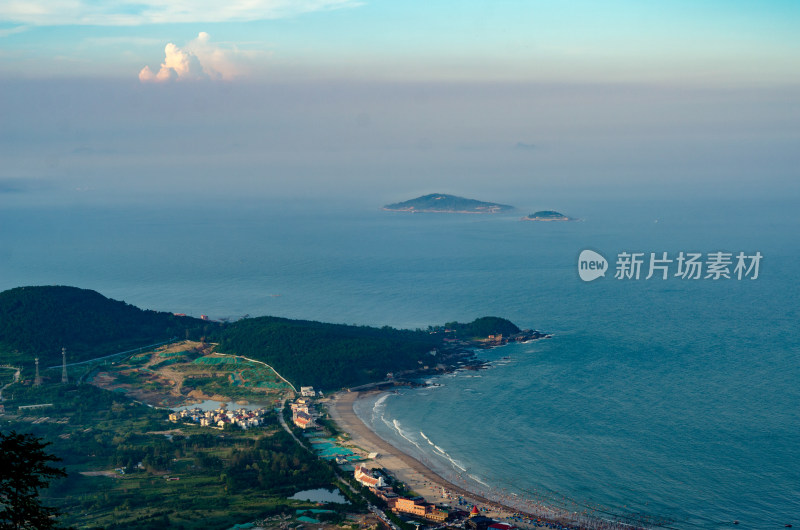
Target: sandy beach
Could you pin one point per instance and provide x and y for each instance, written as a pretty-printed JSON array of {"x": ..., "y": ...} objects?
[{"x": 416, "y": 475}]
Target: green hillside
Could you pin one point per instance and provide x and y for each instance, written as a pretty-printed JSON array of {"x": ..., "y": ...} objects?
[
  {"x": 483, "y": 327},
  {"x": 39, "y": 321},
  {"x": 327, "y": 356}
]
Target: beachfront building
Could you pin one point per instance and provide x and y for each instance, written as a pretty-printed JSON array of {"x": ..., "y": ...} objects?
[
  {"x": 418, "y": 507},
  {"x": 388, "y": 496},
  {"x": 412, "y": 506},
  {"x": 437, "y": 515},
  {"x": 366, "y": 478},
  {"x": 307, "y": 391}
]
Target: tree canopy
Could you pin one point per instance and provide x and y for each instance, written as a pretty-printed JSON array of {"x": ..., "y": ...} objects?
[
  {"x": 327, "y": 356},
  {"x": 24, "y": 470},
  {"x": 39, "y": 321},
  {"x": 483, "y": 327}
]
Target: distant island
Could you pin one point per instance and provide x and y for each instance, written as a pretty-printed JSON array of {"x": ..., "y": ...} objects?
[
  {"x": 547, "y": 215},
  {"x": 443, "y": 203}
]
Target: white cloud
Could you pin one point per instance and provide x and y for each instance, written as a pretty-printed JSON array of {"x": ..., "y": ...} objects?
[
  {"x": 5, "y": 32},
  {"x": 198, "y": 59},
  {"x": 126, "y": 13}
]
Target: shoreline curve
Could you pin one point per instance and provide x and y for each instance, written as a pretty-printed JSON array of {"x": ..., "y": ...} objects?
[{"x": 416, "y": 475}]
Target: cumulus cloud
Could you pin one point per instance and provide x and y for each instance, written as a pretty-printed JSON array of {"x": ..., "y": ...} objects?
[
  {"x": 126, "y": 13},
  {"x": 198, "y": 59}
]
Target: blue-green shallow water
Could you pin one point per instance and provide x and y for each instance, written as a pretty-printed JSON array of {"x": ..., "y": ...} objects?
[{"x": 674, "y": 398}]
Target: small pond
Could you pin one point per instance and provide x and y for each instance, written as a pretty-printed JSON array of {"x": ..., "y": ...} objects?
[{"x": 320, "y": 495}]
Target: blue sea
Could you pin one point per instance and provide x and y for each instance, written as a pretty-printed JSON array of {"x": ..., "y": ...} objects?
[{"x": 676, "y": 401}]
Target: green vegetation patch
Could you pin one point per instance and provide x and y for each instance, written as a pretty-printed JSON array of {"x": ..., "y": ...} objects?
[
  {"x": 327, "y": 356},
  {"x": 7, "y": 375},
  {"x": 139, "y": 477},
  {"x": 217, "y": 361},
  {"x": 481, "y": 328},
  {"x": 139, "y": 359},
  {"x": 173, "y": 354},
  {"x": 38, "y": 321},
  {"x": 168, "y": 362}
]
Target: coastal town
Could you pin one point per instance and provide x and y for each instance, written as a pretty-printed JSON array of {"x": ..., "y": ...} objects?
[
  {"x": 423, "y": 500},
  {"x": 222, "y": 417},
  {"x": 417, "y": 508},
  {"x": 379, "y": 482},
  {"x": 245, "y": 432}
]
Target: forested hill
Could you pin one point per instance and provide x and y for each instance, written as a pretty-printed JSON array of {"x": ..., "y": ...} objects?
[
  {"x": 39, "y": 321},
  {"x": 328, "y": 356},
  {"x": 482, "y": 327}
]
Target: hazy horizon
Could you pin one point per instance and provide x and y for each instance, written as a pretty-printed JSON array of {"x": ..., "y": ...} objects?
[
  {"x": 377, "y": 101},
  {"x": 96, "y": 141}
]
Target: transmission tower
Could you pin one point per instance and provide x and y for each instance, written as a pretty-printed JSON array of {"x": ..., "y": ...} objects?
[
  {"x": 64, "y": 378},
  {"x": 38, "y": 380}
]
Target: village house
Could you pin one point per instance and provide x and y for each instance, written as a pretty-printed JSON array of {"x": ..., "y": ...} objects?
[
  {"x": 242, "y": 418},
  {"x": 303, "y": 420},
  {"x": 301, "y": 405},
  {"x": 302, "y": 413}
]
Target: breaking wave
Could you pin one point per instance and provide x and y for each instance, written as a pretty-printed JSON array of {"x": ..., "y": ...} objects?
[{"x": 441, "y": 452}]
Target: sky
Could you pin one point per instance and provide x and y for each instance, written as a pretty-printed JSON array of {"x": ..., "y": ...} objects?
[
  {"x": 297, "y": 98},
  {"x": 619, "y": 40}
]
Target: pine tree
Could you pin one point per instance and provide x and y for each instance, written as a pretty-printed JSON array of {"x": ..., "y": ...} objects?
[{"x": 25, "y": 469}]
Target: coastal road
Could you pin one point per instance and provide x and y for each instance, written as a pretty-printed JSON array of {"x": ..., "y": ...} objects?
[{"x": 282, "y": 420}]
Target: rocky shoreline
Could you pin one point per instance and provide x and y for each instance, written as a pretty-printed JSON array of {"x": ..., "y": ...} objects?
[{"x": 455, "y": 355}]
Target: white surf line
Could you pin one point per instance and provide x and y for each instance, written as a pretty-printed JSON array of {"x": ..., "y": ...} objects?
[{"x": 258, "y": 362}]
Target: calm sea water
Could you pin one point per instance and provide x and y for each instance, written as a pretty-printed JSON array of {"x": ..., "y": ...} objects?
[{"x": 673, "y": 398}]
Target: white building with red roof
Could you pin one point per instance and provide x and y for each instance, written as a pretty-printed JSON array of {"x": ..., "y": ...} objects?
[{"x": 364, "y": 476}]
